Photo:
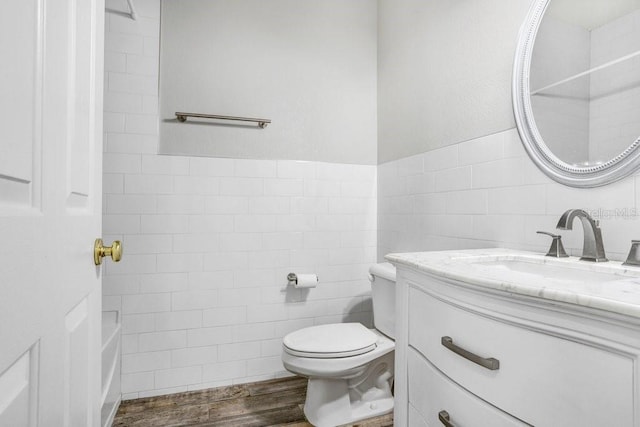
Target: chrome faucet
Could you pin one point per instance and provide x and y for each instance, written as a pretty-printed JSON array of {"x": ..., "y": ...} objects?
[{"x": 593, "y": 248}]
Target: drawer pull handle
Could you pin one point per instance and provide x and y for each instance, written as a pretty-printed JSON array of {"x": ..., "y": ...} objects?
[
  {"x": 444, "y": 418},
  {"x": 489, "y": 363}
]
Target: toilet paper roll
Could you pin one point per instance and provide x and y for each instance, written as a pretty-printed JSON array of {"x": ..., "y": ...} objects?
[{"x": 307, "y": 281}]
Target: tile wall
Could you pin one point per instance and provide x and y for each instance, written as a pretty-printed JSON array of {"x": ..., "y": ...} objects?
[
  {"x": 208, "y": 242},
  {"x": 486, "y": 192}
]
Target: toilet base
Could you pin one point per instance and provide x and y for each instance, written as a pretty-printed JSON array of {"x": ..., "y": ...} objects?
[{"x": 337, "y": 401}]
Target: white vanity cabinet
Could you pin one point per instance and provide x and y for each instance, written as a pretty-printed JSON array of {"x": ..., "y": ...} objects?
[{"x": 472, "y": 355}]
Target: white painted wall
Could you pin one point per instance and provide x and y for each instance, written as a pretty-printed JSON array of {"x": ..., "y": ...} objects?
[
  {"x": 310, "y": 66},
  {"x": 444, "y": 72},
  {"x": 208, "y": 242}
]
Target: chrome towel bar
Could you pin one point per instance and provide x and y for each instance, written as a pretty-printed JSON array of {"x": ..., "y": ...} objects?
[{"x": 262, "y": 123}]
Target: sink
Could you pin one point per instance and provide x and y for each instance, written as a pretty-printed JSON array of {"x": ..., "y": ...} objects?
[
  {"x": 608, "y": 286},
  {"x": 551, "y": 271}
]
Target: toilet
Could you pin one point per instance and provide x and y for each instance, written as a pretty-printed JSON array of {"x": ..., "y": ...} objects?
[{"x": 349, "y": 367}]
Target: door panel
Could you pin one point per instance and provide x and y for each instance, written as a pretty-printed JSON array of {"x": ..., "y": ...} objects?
[
  {"x": 50, "y": 211},
  {"x": 20, "y": 106},
  {"x": 77, "y": 369},
  {"x": 80, "y": 102},
  {"x": 18, "y": 388}
]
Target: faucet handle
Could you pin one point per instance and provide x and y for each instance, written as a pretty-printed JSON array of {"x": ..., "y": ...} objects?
[
  {"x": 556, "y": 250},
  {"x": 634, "y": 254}
]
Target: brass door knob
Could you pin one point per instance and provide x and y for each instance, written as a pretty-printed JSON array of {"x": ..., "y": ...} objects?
[{"x": 100, "y": 251}]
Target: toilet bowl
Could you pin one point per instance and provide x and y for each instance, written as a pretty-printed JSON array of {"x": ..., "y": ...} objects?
[{"x": 349, "y": 367}]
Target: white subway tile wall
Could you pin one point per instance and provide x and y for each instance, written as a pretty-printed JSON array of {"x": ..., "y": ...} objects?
[
  {"x": 208, "y": 242},
  {"x": 488, "y": 193}
]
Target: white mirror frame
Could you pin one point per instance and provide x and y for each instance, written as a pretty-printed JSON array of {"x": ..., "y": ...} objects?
[{"x": 607, "y": 172}]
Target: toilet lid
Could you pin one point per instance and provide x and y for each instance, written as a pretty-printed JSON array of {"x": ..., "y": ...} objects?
[{"x": 331, "y": 341}]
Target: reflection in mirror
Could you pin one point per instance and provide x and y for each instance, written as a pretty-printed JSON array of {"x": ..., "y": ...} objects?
[{"x": 585, "y": 79}]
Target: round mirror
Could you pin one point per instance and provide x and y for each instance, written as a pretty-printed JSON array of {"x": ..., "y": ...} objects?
[{"x": 576, "y": 89}]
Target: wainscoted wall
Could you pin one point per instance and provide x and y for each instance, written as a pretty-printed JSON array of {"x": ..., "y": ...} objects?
[
  {"x": 486, "y": 192},
  {"x": 208, "y": 241},
  {"x": 208, "y": 244}
]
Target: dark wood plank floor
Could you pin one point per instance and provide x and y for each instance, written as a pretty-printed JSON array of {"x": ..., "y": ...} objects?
[{"x": 262, "y": 404}]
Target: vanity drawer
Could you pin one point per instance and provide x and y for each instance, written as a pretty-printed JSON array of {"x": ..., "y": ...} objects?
[
  {"x": 432, "y": 393},
  {"x": 542, "y": 379},
  {"x": 415, "y": 418}
]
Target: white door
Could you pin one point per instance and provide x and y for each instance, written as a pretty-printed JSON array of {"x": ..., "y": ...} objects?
[{"x": 51, "y": 74}]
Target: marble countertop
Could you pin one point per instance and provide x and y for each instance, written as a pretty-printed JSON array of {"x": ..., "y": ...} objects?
[{"x": 607, "y": 286}]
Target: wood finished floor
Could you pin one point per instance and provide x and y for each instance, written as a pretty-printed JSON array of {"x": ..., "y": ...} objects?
[{"x": 261, "y": 404}]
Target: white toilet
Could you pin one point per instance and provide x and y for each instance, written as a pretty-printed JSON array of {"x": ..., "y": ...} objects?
[{"x": 350, "y": 367}]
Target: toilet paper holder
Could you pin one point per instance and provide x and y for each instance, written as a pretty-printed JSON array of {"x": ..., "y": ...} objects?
[{"x": 292, "y": 279}]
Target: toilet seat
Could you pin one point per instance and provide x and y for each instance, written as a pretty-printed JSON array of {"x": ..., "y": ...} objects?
[{"x": 331, "y": 341}]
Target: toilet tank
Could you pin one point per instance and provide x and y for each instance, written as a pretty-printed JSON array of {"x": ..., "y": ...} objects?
[{"x": 383, "y": 295}]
